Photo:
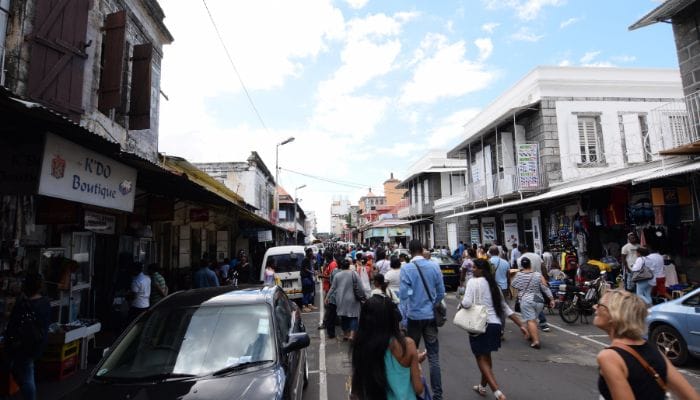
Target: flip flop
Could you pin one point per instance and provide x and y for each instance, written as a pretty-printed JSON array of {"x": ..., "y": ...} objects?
[{"x": 480, "y": 390}]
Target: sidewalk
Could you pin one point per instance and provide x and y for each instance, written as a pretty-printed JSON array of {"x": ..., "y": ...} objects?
[{"x": 54, "y": 390}]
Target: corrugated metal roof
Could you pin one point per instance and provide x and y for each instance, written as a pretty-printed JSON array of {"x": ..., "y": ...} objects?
[
  {"x": 183, "y": 167},
  {"x": 661, "y": 13}
]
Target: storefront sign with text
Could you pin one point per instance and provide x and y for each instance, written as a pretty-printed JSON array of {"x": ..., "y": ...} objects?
[{"x": 72, "y": 172}]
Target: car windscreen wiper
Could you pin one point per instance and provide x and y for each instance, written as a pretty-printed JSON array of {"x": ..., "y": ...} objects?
[
  {"x": 240, "y": 366},
  {"x": 166, "y": 376}
]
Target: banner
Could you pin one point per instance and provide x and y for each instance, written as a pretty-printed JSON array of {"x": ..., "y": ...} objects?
[
  {"x": 528, "y": 166},
  {"x": 510, "y": 230}
]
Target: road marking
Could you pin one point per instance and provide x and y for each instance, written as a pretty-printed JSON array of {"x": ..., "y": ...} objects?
[
  {"x": 322, "y": 389},
  {"x": 314, "y": 371}
]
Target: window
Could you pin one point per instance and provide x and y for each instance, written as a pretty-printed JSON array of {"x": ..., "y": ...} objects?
[
  {"x": 679, "y": 132},
  {"x": 590, "y": 140},
  {"x": 426, "y": 192},
  {"x": 498, "y": 166},
  {"x": 644, "y": 127},
  {"x": 456, "y": 183}
]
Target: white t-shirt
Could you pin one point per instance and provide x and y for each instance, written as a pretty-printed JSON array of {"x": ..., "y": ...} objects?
[
  {"x": 383, "y": 266},
  {"x": 656, "y": 263},
  {"x": 393, "y": 279},
  {"x": 141, "y": 286},
  {"x": 535, "y": 261},
  {"x": 630, "y": 252}
]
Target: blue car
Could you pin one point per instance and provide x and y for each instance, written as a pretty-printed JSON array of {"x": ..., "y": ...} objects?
[{"x": 674, "y": 327}]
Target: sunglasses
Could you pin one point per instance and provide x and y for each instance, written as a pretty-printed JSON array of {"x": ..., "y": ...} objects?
[{"x": 598, "y": 305}]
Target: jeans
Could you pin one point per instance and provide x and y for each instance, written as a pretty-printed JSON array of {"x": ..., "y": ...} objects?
[
  {"x": 306, "y": 298},
  {"x": 542, "y": 318},
  {"x": 644, "y": 290},
  {"x": 23, "y": 372},
  {"x": 348, "y": 323},
  {"x": 427, "y": 329},
  {"x": 329, "y": 316}
]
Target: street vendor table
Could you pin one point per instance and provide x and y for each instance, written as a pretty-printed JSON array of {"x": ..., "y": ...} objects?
[{"x": 83, "y": 333}]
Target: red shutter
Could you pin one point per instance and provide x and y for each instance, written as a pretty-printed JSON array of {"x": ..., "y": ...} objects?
[
  {"x": 112, "y": 56},
  {"x": 140, "y": 106},
  {"x": 57, "y": 57}
]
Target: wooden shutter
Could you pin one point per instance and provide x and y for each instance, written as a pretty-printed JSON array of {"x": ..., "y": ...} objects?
[
  {"x": 588, "y": 139},
  {"x": 140, "y": 106},
  {"x": 57, "y": 56},
  {"x": 112, "y": 56}
]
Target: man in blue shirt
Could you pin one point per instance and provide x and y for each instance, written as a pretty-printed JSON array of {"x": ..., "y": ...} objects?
[
  {"x": 501, "y": 268},
  {"x": 205, "y": 277},
  {"x": 419, "y": 307}
]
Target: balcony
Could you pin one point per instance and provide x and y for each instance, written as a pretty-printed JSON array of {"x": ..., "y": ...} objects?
[
  {"x": 675, "y": 126},
  {"x": 499, "y": 185}
]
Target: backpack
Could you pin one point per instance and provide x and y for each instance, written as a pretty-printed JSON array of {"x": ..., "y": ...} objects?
[{"x": 24, "y": 334}]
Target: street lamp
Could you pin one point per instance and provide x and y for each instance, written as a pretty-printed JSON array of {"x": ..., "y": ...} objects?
[
  {"x": 277, "y": 173},
  {"x": 295, "y": 211}
]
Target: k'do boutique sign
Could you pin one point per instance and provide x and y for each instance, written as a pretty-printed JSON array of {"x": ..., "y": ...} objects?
[{"x": 72, "y": 172}]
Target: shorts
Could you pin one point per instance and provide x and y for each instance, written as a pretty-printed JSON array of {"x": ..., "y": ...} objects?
[
  {"x": 529, "y": 310},
  {"x": 661, "y": 286}
]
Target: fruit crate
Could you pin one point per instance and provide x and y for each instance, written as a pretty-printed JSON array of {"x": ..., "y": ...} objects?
[
  {"x": 61, "y": 352},
  {"x": 58, "y": 370}
]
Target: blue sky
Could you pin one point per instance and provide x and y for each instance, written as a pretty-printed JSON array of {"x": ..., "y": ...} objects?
[{"x": 368, "y": 87}]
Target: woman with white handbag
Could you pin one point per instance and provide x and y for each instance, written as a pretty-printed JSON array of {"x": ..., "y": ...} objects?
[{"x": 482, "y": 291}]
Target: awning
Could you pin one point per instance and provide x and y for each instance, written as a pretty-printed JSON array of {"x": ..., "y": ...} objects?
[
  {"x": 664, "y": 12},
  {"x": 405, "y": 182},
  {"x": 690, "y": 149},
  {"x": 415, "y": 221},
  {"x": 671, "y": 171},
  {"x": 592, "y": 183},
  {"x": 183, "y": 167}
]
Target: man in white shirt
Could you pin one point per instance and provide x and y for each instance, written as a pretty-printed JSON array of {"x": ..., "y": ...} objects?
[
  {"x": 655, "y": 262},
  {"x": 140, "y": 291},
  {"x": 629, "y": 253},
  {"x": 382, "y": 266}
]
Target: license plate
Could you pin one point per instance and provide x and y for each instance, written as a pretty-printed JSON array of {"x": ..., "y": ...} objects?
[
  {"x": 287, "y": 284},
  {"x": 448, "y": 271}
]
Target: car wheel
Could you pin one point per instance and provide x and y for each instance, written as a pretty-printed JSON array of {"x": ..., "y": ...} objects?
[{"x": 671, "y": 343}]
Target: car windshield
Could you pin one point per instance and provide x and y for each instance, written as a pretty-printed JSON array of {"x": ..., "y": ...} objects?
[
  {"x": 191, "y": 341},
  {"x": 440, "y": 259},
  {"x": 286, "y": 262}
]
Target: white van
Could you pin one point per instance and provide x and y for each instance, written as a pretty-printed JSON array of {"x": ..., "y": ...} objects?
[{"x": 286, "y": 260}]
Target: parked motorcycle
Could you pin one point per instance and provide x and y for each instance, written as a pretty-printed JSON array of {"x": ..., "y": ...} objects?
[{"x": 578, "y": 301}]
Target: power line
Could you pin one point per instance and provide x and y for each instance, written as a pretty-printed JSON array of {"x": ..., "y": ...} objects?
[
  {"x": 223, "y": 44},
  {"x": 341, "y": 183}
]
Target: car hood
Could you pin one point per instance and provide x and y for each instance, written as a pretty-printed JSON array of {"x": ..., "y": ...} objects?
[
  {"x": 257, "y": 384},
  {"x": 665, "y": 307}
]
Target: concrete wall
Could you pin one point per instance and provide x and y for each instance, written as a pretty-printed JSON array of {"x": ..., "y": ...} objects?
[{"x": 686, "y": 34}]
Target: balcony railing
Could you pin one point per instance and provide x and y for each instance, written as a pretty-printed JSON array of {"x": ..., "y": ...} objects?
[{"x": 675, "y": 124}]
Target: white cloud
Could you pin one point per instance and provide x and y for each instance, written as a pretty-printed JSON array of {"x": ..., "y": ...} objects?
[
  {"x": 525, "y": 10},
  {"x": 524, "y": 34},
  {"x": 442, "y": 71},
  {"x": 485, "y": 46},
  {"x": 569, "y": 22},
  {"x": 624, "y": 59},
  {"x": 589, "y": 56},
  {"x": 450, "y": 127},
  {"x": 601, "y": 64},
  {"x": 564, "y": 63},
  {"x": 489, "y": 27},
  {"x": 357, "y": 4}
]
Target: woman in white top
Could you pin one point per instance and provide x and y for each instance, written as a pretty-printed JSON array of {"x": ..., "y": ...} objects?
[
  {"x": 642, "y": 288},
  {"x": 482, "y": 289},
  {"x": 393, "y": 275}
]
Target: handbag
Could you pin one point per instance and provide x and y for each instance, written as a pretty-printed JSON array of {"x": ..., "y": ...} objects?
[
  {"x": 644, "y": 273},
  {"x": 439, "y": 308},
  {"x": 359, "y": 294},
  {"x": 474, "y": 318},
  {"x": 659, "y": 380}
]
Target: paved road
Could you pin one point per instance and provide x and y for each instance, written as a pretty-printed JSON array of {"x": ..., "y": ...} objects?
[{"x": 564, "y": 368}]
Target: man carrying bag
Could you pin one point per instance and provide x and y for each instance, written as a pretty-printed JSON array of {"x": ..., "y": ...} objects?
[{"x": 422, "y": 291}]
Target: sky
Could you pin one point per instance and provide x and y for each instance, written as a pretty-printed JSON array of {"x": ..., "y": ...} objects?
[{"x": 368, "y": 87}]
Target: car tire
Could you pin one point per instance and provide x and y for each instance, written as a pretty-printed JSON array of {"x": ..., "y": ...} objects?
[{"x": 670, "y": 343}]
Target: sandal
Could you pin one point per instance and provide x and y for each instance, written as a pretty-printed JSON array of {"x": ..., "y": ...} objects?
[
  {"x": 535, "y": 346},
  {"x": 499, "y": 395},
  {"x": 480, "y": 390}
]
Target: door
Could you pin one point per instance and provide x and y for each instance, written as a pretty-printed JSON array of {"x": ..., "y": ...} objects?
[{"x": 452, "y": 236}]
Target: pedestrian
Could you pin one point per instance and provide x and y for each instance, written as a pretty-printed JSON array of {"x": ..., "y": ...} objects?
[
  {"x": 483, "y": 290},
  {"x": 244, "y": 271},
  {"x": 365, "y": 272},
  {"x": 223, "y": 272},
  {"x": 655, "y": 262},
  {"x": 643, "y": 287},
  {"x": 307, "y": 283},
  {"x": 536, "y": 265},
  {"x": 623, "y": 375},
  {"x": 140, "y": 291},
  {"x": 531, "y": 286},
  {"x": 381, "y": 288},
  {"x": 501, "y": 268},
  {"x": 393, "y": 276},
  {"x": 204, "y": 277},
  {"x": 23, "y": 345},
  {"x": 514, "y": 255},
  {"x": 385, "y": 363},
  {"x": 346, "y": 291},
  {"x": 403, "y": 258},
  {"x": 482, "y": 253},
  {"x": 384, "y": 263},
  {"x": 159, "y": 288},
  {"x": 421, "y": 288},
  {"x": 269, "y": 276},
  {"x": 329, "y": 311},
  {"x": 466, "y": 271},
  {"x": 629, "y": 251}
]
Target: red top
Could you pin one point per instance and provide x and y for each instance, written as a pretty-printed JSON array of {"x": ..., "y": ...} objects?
[{"x": 327, "y": 276}]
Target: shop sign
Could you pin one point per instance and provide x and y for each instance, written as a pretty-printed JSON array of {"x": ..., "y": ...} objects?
[
  {"x": 72, "y": 172},
  {"x": 474, "y": 231},
  {"x": 394, "y": 232},
  {"x": 528, "y": 166},
  {"x": 510, "y": 230},
  {"x": 199, "y": 215},
  {"x": 100, "y": 223},
  {"x": 265, "y": 236},
  {"x": 488, "y": 230}
]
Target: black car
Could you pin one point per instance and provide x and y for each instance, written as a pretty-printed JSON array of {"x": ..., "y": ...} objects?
[
  {"x": 214, "y": 343},
  {"x": 449, "y": 268}
]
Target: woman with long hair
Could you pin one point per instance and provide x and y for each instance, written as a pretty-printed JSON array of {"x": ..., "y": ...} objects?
[
  {"x": 385, "y": 363},
  {"x": 621, "y": 315},
  {"x": 482, "y": 289}
]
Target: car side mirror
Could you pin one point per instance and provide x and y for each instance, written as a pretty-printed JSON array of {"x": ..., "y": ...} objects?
[{"x": 296, "y": 341}]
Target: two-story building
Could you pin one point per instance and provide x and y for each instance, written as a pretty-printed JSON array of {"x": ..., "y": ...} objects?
[
  {"x": 430, "y": 178},
  {"x": 292, "y": 219},
  {"x": 567, "y": 159}
]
